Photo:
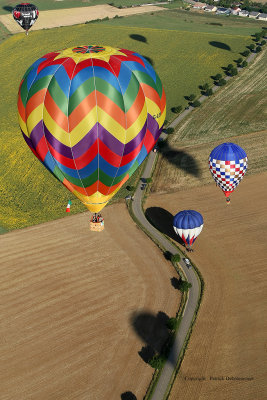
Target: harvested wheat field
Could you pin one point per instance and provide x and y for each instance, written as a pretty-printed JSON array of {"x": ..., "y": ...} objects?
[
  {"x": 71, "y": 16},
  {"x": 78, "y": 306},
  {"x": 229, "y": 337}
]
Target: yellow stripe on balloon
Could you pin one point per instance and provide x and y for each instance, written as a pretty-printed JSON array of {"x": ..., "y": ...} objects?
[
  {"x": 23, "y": 126},
  {"x": 82, "y": 128},
  {"x": 136, "y": 127},
  {"x": 34, "y": 118},
  {"x": 112, "y": 126}
]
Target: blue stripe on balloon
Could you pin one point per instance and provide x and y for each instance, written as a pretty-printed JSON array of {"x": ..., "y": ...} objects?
[{"x": 63, "y": 80}]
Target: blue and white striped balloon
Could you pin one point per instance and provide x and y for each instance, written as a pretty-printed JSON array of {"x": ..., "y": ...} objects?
[{"x": 188, "y": 224}]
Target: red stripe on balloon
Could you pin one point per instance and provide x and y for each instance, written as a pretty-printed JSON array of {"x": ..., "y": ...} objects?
[
  {"x": 149, "y": 141},
  {"x": 42, "y": 148},
  {"x": 136, "y": 108}
]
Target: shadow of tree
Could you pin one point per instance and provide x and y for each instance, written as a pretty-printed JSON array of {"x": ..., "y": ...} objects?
[
  {"x": 180, "y": 159},
  {"x": 162, "y": 220},
  {"x": 139, "y": 38},
  {"x": 8, "y": 8},
  {"x": 220, "y": 45},
  {"x": 152, "y": 330},
  {"x": 146, "y": 353},
  {"x": 175, "y": 283},
  {"x": 128, "y": 396}
]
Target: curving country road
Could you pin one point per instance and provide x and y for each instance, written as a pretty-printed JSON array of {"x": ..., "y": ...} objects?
[{"x": 190, "y": 274}]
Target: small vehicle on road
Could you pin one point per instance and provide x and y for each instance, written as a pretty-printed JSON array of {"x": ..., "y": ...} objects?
[{"x": 187, "y": 263}]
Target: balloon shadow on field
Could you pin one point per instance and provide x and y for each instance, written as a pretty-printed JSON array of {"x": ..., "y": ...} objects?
[
  {"x": 152, "y": 329},
  {"x": 220, "y": 45},
  {"x": 180, "y": 159},
  {"x": 139, "y": 38},
  {"x": 175, "y": 283},
  {"x": 162, "y": 220},
  {"x": 8, "y": 8},
  {"x": 128, "y": 396}
]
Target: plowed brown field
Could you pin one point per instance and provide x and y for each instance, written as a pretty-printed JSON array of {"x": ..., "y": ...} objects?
[
  {"x": 67, "y": 300},
  {"x": 229, "y": 338}
]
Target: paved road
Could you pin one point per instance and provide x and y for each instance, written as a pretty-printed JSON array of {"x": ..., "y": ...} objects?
[{"x": 190, "y": 274}]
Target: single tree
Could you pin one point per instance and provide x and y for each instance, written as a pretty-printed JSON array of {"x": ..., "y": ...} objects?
[
  {"x": 148, "y": 180},
  {"x": 218, "y": 77},
  {"x": 129, "y": 188},
  {"x": 258, "y": 49},
  {"x": 233, "y": 71},
  {"x": 196, "y": 103},
  {"x": 245, "y": 53},
  {"x": 257, "y": 37},
  {"x": 177, "y": 109},
  {"x": 239, "y": 61},
  {"x": 157, "y": 361},
  {"x": 263, "y": 42},
  {"x": 172, "y": 324},
  {"x": 244, "y": 64},
  {"x": 192, "y": 97},
  {"x": 209, "y": 92},
  {"x": 205, "y": 87},
  {"x": 169, "y": 130},
  {"x": 175, "y": 258},
  {"x": 229, "y": 66},
  {"x": 184, "y": 286},
  {"x": 221, "y": 82},
  {"x": 251, "y": 46}
]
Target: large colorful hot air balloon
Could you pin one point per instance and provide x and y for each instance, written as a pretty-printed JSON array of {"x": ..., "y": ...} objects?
[
  {"x": 25, "y": 14},
  {"x": 228, "y": 164},
  {"x": 91, "y": 114},
  {"x": 188, "y": 224}
]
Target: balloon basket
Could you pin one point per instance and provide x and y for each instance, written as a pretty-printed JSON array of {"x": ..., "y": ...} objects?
[{"x": 97, "y": 226}]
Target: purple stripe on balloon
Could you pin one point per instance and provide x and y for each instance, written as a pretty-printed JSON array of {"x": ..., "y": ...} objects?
[
  {"x": 130, "y": 146},
  {"x": 85, "y": 143},
  {"x": 152, "y": 125},
  {"x": 110, "y": 141},
  {"x": 27, "y": 140},
  {"x": 37, "y": 133},
  {"x": 56, "y": 144}
]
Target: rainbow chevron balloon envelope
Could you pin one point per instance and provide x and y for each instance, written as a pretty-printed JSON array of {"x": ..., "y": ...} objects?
[{"x": 91, "y": 114}]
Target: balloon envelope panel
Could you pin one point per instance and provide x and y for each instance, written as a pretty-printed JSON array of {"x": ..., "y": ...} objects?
[
  {"x": 25, "y": 14},
  {"x": 91, "y": 114},
  {"x": 188, "y": 225},
  {"x": 228, "y": 164}
]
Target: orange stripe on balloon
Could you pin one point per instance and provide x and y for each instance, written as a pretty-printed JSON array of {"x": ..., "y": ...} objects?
[
  {"x": 136, "y": 108},
  {"x": 111, "y": 108},
  {"x": 55, "y": 112},
  {"x": 81, "y": 111},
  {"x": 151, "y": 93},
  {"x": 21, "y": 109},
  {"x": 35, "y": 101},
  {"x": 163, "y": 101}
]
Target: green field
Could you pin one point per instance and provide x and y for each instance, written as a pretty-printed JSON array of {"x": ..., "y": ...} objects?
[
  {"x": 235, "y": 114},
  {"x": 7, "y": 5},
  {"x": 183, "y": 60}
]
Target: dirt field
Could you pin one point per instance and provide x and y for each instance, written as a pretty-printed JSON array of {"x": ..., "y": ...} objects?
[
  {"x": 78, "y": 306},
  {"x": 72, "y": 16},
  {"x": 229, "y": 338}
]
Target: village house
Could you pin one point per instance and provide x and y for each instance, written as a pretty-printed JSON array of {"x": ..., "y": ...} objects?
[
  {"x": 243, "y": 13},
  {"x": 199, "y": 6},
  {"x": 211, "y": 8},
  {"x": 253, "y": 14},
  {"x": 222, "y": 10},
  {"x": 235, "y": 10},
  {"x": 262, "y": 17}
]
